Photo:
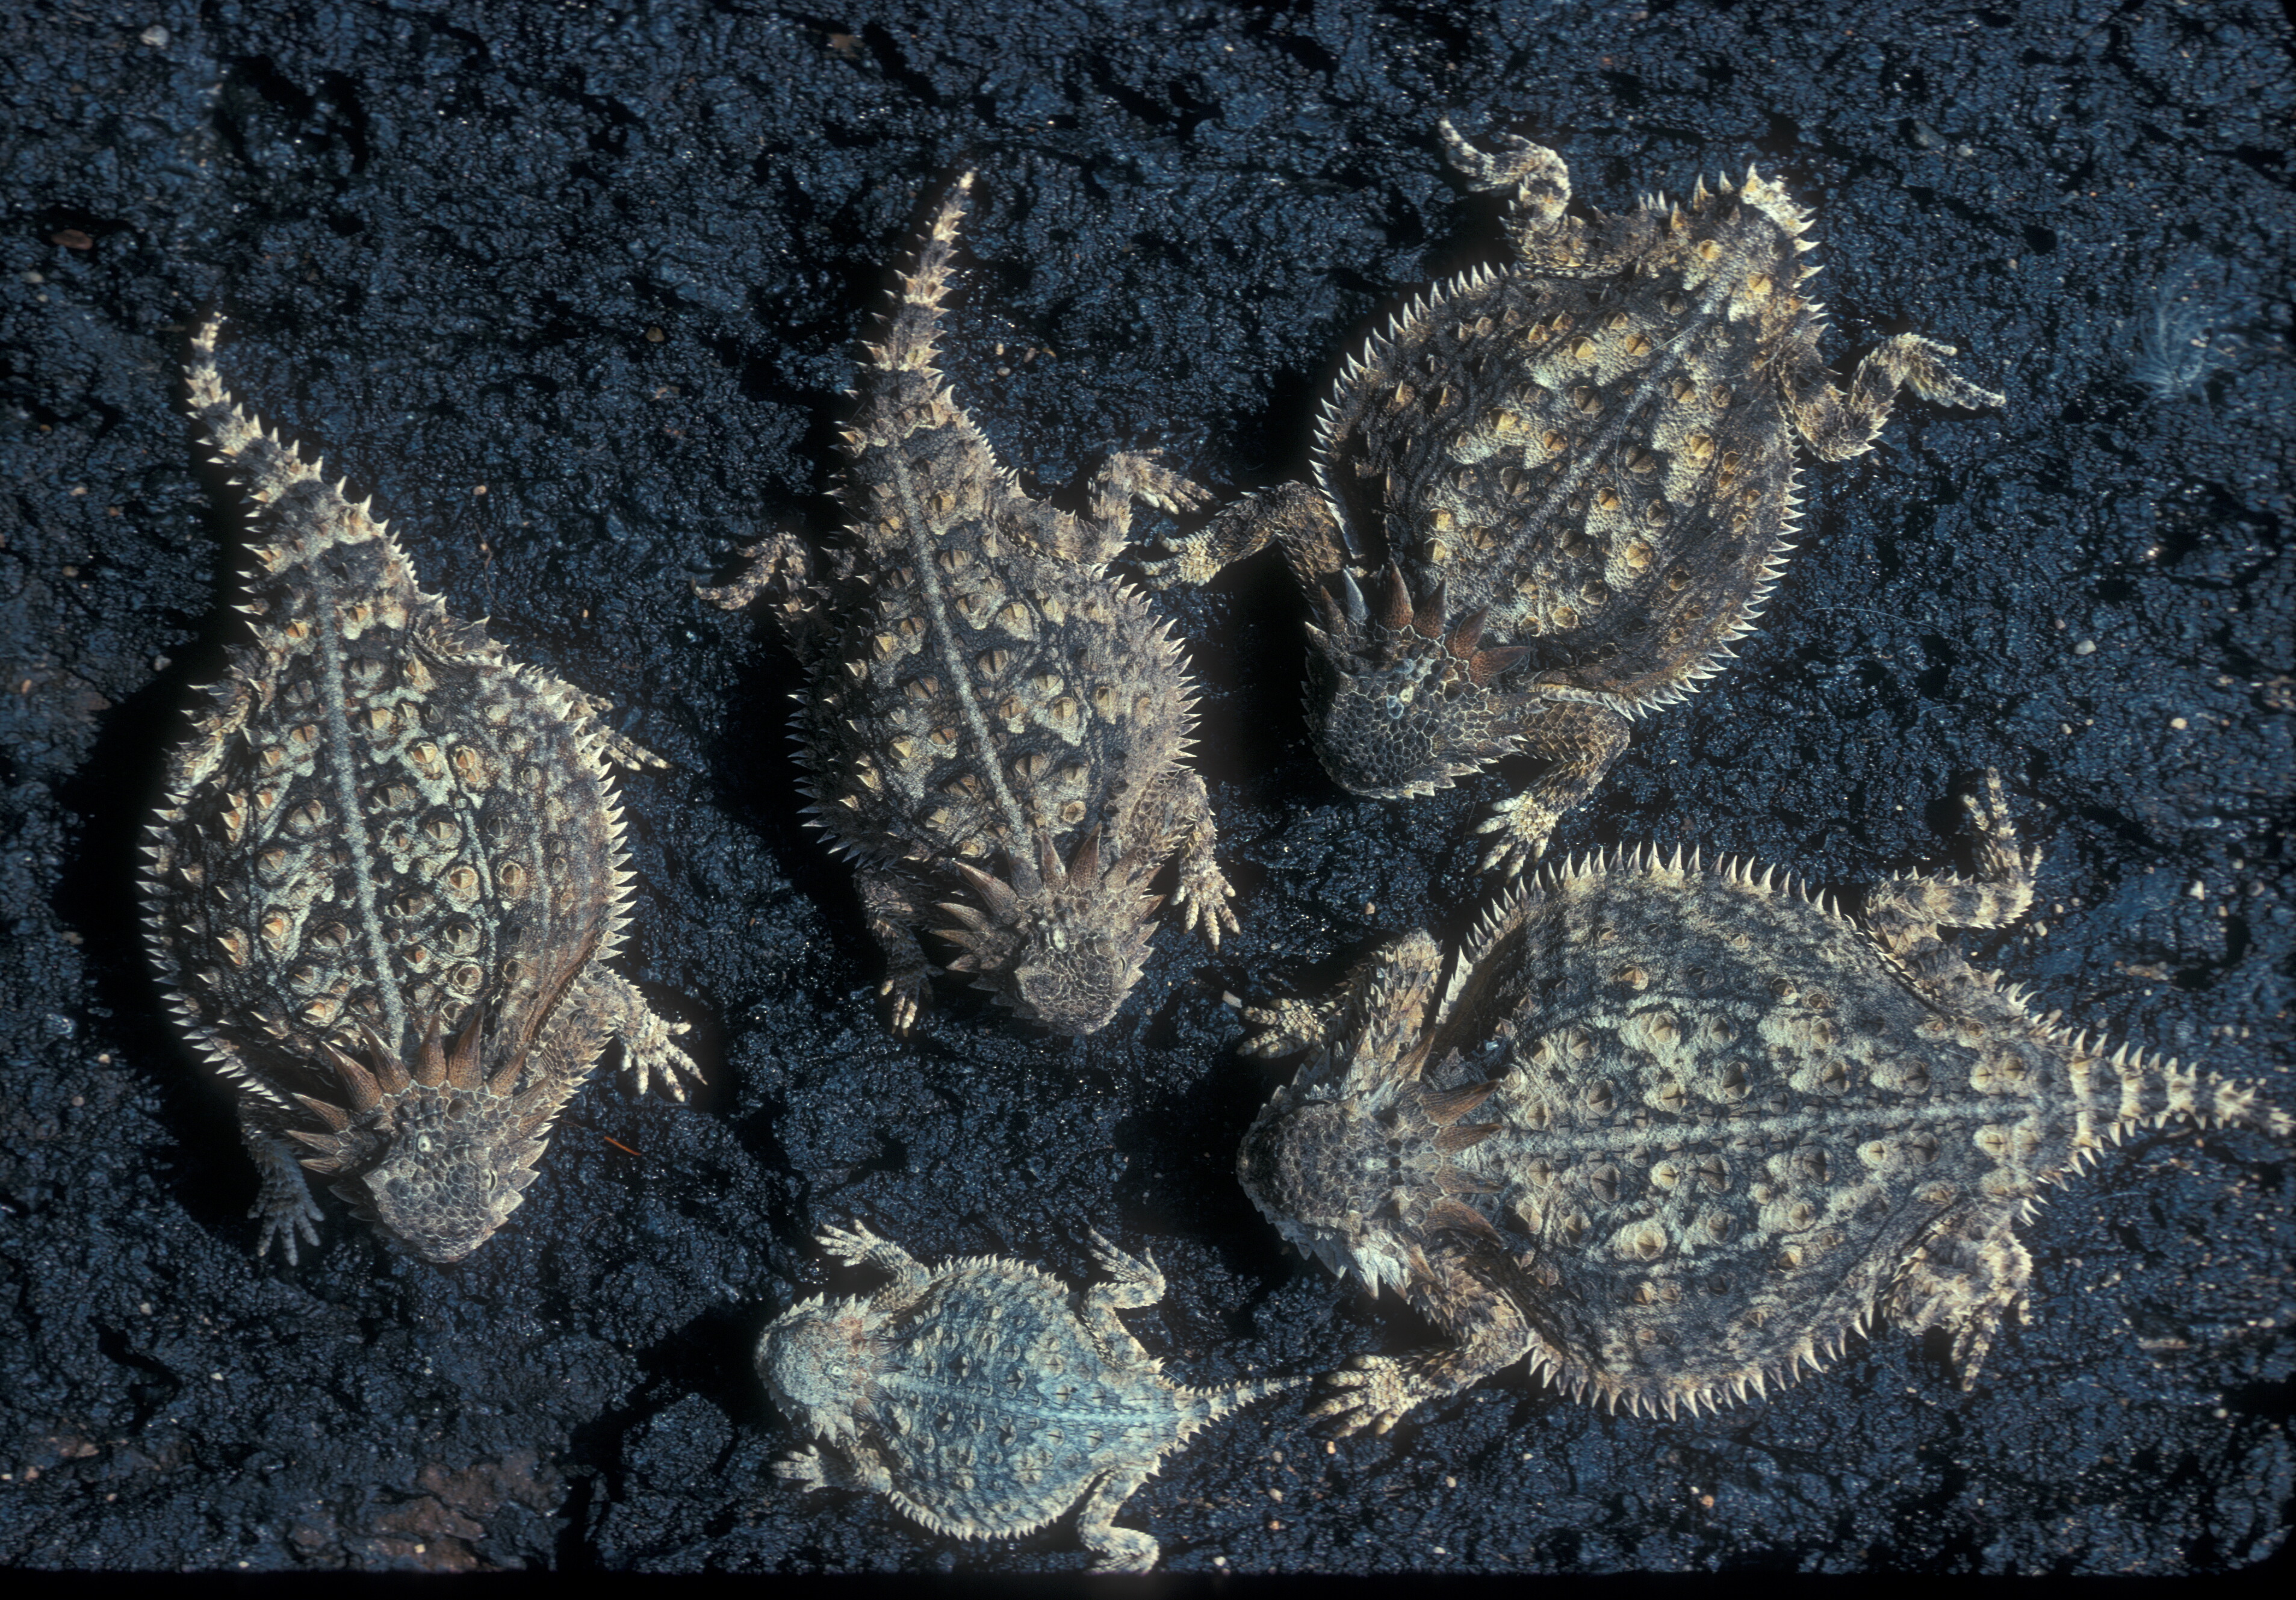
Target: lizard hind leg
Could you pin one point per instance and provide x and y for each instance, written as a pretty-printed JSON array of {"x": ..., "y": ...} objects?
[
  {"x": 1294, "y": 515},
  {"x": 1537, "y": 183},
  {"x": 1124, "y": 478},
  {"x": 1537, "y": 176},
  {"x": 783, "y": 567},
  {"x": 1132, "y": 1281},
  {"x": 1386, "y": 992},
  {"x": 1970, "y": 1274},
  {"x": 1116, "y": 1549},
  {"x": 1909, "y": 915},
  {"x": 1839, "y": 426}
]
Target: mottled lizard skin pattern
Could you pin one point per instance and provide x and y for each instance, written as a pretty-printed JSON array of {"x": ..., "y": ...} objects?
[
  {"x": 1674, "y": 1133},
  {"x": 992, "y": 725},
  {"x": 985, "y": 1397},
  {"x": 385, "y": 877},
  {"x": 1549, "y": 495}
]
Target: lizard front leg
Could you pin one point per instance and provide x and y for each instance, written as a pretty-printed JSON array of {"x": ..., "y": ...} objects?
[
  {"x": 892, "y": 922},
  {"x": 1580, "y": 740}
]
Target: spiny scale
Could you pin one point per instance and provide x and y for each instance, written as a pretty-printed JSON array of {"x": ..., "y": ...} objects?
[
  {"x": 1588, "y": 451},
  {"x": 1672, "y": 1133},
  {"x": 993, "y": 725},
  {"x": 381, "y": 830}
]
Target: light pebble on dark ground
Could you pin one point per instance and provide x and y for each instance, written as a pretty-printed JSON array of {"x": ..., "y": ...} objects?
[{"x": 608, "y": 262}]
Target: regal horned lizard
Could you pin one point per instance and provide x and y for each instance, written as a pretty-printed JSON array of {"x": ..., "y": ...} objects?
[
  {"x": 1549, "y": 495},
  {"x": 985, "y": 1397},
  {"x": 1673, "y": 1133},
  {"x": 381, "y": 834},
  {"x": 982, "y": 692}
]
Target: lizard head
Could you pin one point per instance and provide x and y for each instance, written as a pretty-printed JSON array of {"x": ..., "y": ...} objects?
[
  {"x": 1063, "y": 944},
  {"x": 818, "y": 1359},
  {"x": 1400, "y": 709},
  {"x": 1356, "y": 1160},
  {"x": 437, "y": 1156}
]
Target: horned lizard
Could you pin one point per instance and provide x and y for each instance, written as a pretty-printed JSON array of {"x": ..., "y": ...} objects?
[
  {"x": 1673, "y": 1133},
  {"x": 986, "y": 1398},
  {"x": 984, "y": 693},
  {"x": 1577, "y": 472},
  {"x": 382, "y": 831}
]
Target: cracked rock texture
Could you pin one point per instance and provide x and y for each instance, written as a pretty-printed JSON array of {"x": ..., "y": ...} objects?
[{"x": 572, "y": 289}]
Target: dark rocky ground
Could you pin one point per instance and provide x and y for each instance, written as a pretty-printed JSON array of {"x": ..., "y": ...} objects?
[{"x": 572, "y": 287}]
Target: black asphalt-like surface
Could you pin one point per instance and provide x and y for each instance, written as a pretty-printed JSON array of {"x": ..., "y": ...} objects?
[{"x": 572, "y": 289}]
